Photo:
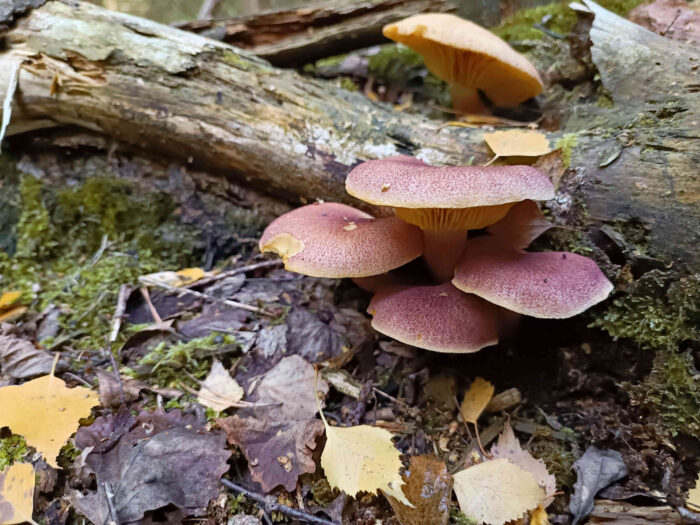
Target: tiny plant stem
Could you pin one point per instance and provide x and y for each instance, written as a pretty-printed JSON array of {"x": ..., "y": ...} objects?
[
  {"x": 466, "y": 100},
  {"x": 318, "y": 400},
  {"x": 478, "y": 440},
  {"x": 442, "y": 250}
]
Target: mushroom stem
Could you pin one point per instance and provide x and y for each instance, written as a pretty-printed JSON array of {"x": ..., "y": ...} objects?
[
  {"x": 466, "y": 100},
  {"x": 442, "y": 250}
]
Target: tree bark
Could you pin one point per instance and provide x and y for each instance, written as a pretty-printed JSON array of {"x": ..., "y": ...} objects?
[
  {"x": 295, "y": 37},
  {"x": 225, "y": 110}
]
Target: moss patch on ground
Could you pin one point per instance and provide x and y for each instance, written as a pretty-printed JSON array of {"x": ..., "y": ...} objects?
[
  {"x": 672, "y": 386},
  {"x": 12, "y": 448},
  {"x": 74, "y": 247},
  {"x": 560, "y": 19}
]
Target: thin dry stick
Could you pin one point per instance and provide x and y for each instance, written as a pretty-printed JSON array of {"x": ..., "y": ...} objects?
[
  {"x": 124, "y": 291},
  {"x": 122, "y": 397},
  {"x": 109, "y": 492},
  {"x": 235, "y": 271},
  {"x": 152, "y": 309},
  {"x": 270, "y": 505},
  {"x": 234, "y": 304}
]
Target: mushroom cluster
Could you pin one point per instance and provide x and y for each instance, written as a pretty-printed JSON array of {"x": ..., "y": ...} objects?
[
  {"x": 470, "y": 59},
  {"x": 471, "y": 286}
]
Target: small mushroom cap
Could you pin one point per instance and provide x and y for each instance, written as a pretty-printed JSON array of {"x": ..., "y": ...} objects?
[
  {"x": 335, "y": 240},
  {"x": 406, "y": 182},
  {"x": 552, "y": 285},
  {"x": 463, "y": 53},
  {"x": 438, "y": 318}
]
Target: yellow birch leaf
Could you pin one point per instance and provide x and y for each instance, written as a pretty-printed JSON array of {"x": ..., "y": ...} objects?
[
  {"x": 219, "y": 390},
  {"x": 476, "y": 399},
  {"x": 497, "y": 491},
  {"x": 190, "y": 275},
  {"x": 362, "y": 458},
  {"x": 46, "y": 412},
  {"x": 174, "y": 279},
  {"x": 12, "y": 313},
  {"x": 539, "y": 516},
  {"x": 17, "y": 494},
  {"x": 694, "y": 495},
  {"x": 8, "y": 298},
  {"x": 517, "y": 143}
]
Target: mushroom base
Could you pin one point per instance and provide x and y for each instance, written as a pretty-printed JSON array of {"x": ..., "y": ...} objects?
[
  {"x": 467, "y": 101},
  {"x": 442, "y": 250}
]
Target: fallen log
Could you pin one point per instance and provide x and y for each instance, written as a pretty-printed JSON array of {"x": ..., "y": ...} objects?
[
  {"x": 222, "y": 109},
  {"x": 295, "y": 37}
]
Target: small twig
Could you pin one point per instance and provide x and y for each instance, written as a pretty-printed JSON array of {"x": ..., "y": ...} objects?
[
  {"x": 235, "y": 271},
  {"x": 109, "y": 492},
  {"x": 147, "y": 297},
  {"x": 122, "y": 397},
  {"x": 124, "y": 292},
  {"x": 270, "y": 505},
  {"x": 78, "y": 379},
  {"x": 234, "y": 304}
]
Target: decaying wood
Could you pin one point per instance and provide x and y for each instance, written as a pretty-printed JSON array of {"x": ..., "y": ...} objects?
[
  {"x": 296, "y": 37},
  {"x": 224, "y": 110},
  {"x": 622, "y": 513}
]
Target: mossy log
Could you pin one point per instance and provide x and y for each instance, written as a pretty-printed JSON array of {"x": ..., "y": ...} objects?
[{"x": 215, "y": 107}]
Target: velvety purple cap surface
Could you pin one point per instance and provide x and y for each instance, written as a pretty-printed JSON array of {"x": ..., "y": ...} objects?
[
  {"x": 407, "y": 182},
  {"x": 335, "y": 240},
  {"x": 439, "y": 318}
]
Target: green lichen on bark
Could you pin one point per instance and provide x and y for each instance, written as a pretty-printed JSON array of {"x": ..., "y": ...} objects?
[{"x": 671, "y": 391}]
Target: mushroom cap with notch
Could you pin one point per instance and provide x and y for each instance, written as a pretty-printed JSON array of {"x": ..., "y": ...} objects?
[
  {"x": 336, "y": 240},
  {"x": 446, "y": 198},
  {"x": 439, "y": 318},
  {"x": 465, "y": 54}
]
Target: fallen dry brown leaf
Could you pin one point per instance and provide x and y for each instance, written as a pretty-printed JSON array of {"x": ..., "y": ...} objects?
[
  {"x": 517, "y": 143},
  {"x": 17, "y": 494},
  {"x": 219, "y": 390},
  {"x": 495, "y": 492},
  {"x": 46, "y": 412},
  {"x": 428, "y": 486}
]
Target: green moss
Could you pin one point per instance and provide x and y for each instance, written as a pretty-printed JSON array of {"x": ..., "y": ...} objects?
[
  {"x": 672, "y": 392},
  {"x": 656, "y": 311},
  {"x": 566, "y": 143},
  {"x": 558, "y": 458},
  {"x": 348, "y": 84},
  {"x": 12, "y": 448},
  {"x": 520, "y": 25},
  {"x": 163, "y": 364},
  {"x": 76, "y": 246},
  {"x": 457, "y": 517}
]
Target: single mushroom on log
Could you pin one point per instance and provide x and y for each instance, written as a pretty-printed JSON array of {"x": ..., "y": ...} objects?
[
  {"x": 491, "y": 275},
  {"x": 470, "y": 59}
]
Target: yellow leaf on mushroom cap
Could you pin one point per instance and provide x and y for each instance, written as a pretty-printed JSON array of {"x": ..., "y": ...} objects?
[
  {"x": 17, "y": 494},
  {"x": 517, "y": 143},
  {"x": 46, "y": 412},
  {"x": 475, "y": 399},
  {"x": 497, "y": 491},
  {"x": 363, "y": 458}
]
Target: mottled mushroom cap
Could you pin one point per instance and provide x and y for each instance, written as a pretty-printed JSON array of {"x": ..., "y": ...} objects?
[
  {"x": 463, "y": 53},
  {"x": 551, "y": 285},
  {"x": 482, "y": 193},
  {"x": 335, "y": 240},
  {"x": 438, "y": 318}
]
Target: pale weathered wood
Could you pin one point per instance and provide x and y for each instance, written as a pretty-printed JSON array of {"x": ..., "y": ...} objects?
[{"x": 224, "y": 110}]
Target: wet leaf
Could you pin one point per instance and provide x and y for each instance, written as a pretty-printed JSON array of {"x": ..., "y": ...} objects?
[
  {"x": 17, "y": 494},
  {"x": 428, "y": 486},
  {"x": 21, "y": 359},
  {"x": 517, "y": 143},
  {"x": 219, "y": 390},
  {"x": 278, "y": 452},
  {"x": 497, "y": 491},
  {"x": 539, "y": 516},
  {"x": 508, "y": 447},
  {"x": 596, "y": 469},
  {"x": 362, "y": 459},
  {"x": 46, "y": 412},
  {"x": 475, "y": 399}
]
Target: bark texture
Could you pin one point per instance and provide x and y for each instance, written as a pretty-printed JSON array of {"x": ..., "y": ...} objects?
[{"x": 218, "y": 108}]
